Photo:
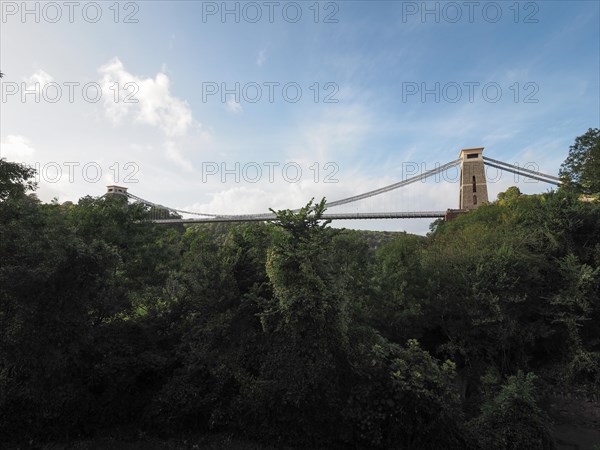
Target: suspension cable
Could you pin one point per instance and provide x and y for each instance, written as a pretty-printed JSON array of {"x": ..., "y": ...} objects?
[
  {"x": 394, "y": 186},
  {"x": 156, "y": 205},
  {"x": 522, "y": 169},
  {"x": 518, "y": 171}
]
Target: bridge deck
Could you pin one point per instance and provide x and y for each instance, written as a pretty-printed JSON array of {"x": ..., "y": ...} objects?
[
  {"x": 344, "y": 216},
  {"x": 207, "y": 218}
]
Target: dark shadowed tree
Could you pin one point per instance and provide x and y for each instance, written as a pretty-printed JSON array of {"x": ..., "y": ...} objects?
[
  {"x": 581, "y": 169},
  {"x": 15, "y": 179}
]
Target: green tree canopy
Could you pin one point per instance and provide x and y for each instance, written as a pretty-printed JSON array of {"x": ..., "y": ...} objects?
[
  {"x": 581, "y": 169},
  {"x": 510, "y": 195},
  {"x": 15, "y": 179}
]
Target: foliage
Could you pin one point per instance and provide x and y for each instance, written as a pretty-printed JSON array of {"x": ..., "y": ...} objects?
[
  {"x": 402, "y": 397},
  {"x": 581, "y": 169},
  {"x": 512, "y": 419},
  {"x": 291, "y": 332},
  {"x": 15, "y": 179},
  {"x": 510, "y": 196}
]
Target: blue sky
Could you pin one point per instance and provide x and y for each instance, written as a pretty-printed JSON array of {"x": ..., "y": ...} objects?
[{"x": 374, "y": 58}]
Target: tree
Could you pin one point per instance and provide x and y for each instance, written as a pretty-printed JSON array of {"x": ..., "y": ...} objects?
[
  {"x": 512, "y": 419},
  {"x": 15, "y": 179},
  {"x": 401, "y": 397},
  {"x": 401, "y": 287},
  {"x": 298, "y": 267},
  {"x": 53, "y": 286},
  {"x": 573, "y": 306},
  {"x": 306, "y": 323},
  {"x": 511, "y": 194},
  {"x": 581, "y": 169}
]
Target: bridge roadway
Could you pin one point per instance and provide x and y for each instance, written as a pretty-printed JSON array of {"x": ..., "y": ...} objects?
[{"x": 341, "y": 216}]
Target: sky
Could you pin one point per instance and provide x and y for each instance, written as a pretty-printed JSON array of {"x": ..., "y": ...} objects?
[{"x": 238, "y": 107}]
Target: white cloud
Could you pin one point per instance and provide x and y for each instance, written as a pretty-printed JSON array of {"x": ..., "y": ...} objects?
[
  {"x": 40, "y": 77},
  {"x": 338, "y": 133},
  {"x": 253, "y": 199},
  {"x": 148, "y": 100},
  {"x": 233, "y": 106},
  {"x": 37, "y": 81},
  {"x": 17, "y": 149},
  {"x": 174, "y": 154},
  {"x": 261, "y": 58}
]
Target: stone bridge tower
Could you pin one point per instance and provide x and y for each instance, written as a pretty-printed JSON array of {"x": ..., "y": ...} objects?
[
  {"x": 116, "y": 190},
  {"x": 473, "y": 187}
]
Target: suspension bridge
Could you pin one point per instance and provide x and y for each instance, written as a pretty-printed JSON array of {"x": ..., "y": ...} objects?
[{"x": 473, "y": 193}]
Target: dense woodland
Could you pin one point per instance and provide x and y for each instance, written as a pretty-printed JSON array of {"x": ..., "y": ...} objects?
[{"x": 293, "y": 333}]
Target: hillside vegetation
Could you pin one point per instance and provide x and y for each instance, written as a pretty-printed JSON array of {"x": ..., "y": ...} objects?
[{"x": 294, "y": 333}]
